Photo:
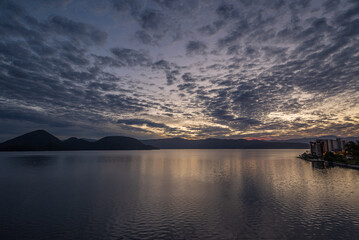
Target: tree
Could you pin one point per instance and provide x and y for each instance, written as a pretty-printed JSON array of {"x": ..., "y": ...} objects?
[
  {"x": 329, "y": 156},
  {"x": 352, "y": 149}
]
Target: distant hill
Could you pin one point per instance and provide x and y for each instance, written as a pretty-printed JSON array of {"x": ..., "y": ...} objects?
[
  {"x": 41, "y": 140},
  {"x": 307, "y": 140},
  {"x": 120, "y": 143},
  {"x": 74, "y": 143},
  {"x": 213, "y": 143}
]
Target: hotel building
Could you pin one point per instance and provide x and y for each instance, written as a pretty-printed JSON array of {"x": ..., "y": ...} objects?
[{"x": 322, "y": 146}]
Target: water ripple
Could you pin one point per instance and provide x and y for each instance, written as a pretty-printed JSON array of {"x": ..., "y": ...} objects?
[{"x": 176, "y": 194}]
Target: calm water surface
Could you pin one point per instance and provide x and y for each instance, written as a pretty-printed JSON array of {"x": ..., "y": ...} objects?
[{"x": 175, "y": 194}]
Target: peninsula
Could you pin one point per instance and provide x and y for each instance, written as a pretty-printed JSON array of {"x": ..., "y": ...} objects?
[{"x": 334, "y": 152}]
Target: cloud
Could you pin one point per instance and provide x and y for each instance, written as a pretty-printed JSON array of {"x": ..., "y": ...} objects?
[
  {"x": 151, "y": 19},
  {"x": 205, "y": 131},
  {"x": 61, "y": 3},
  {"x": 237, "y": 32},
  {"x": 148, "y": 123},
  {"x": 77, "y": 31},
  {"x": 43, "y": 67},
  {"x": 245, "y": 68},
  {"x": 130, "y": 57},
  {"x": 141, "y": 122},
  {"x": 227, "y": 11},
  {"x": 28, "y": 115},
  {"x": 16, "y": 22},
  {"x": 187, "y": 86},
  {"x": 133, "y": 6},
  {"x": 187, "y": 77},
  {"x": 171, "y": 77},
  {"x": 211, "y": 29},
  {"x": 155, "y": 23},
  {"x": 196, "y": 47},
  {"x": 144, "y": 37},
  {"x": 331, "y": 5}
]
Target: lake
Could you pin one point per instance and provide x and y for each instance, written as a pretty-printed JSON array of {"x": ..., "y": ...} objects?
[{"x": 175, "y": 194}]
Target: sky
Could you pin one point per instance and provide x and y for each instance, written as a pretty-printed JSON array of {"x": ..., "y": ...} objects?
[{"x": 253, "y": 69}]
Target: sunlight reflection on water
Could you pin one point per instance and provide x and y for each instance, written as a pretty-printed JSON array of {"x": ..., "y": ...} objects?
[{"x": 175, "y": 194}]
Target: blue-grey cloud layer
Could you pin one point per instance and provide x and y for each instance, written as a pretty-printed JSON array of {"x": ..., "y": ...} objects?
[{"x": 180, "y": 68}]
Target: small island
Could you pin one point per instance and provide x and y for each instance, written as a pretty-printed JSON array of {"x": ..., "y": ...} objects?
[{"x": 333, "y": 153}]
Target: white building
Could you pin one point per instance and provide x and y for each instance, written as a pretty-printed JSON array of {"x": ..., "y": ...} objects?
[{"x": 322, "y": 146}]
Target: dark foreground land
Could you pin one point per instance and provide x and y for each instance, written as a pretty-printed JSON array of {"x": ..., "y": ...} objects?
[{"x": 349, "y": 158}]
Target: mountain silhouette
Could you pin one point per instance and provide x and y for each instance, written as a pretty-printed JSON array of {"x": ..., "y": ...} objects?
[
  {"x": 213, "y": 143},
  {"x": 120, "y": 143},
  {"x": 74, "y": 143},
  {"x": 310, "y": 139},
  {"x": 40, "y": 140}
]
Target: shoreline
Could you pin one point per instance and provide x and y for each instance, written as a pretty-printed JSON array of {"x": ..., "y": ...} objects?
[
  {"x": 344, "y": 165},
  {"x": 331, "y": 164}
]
